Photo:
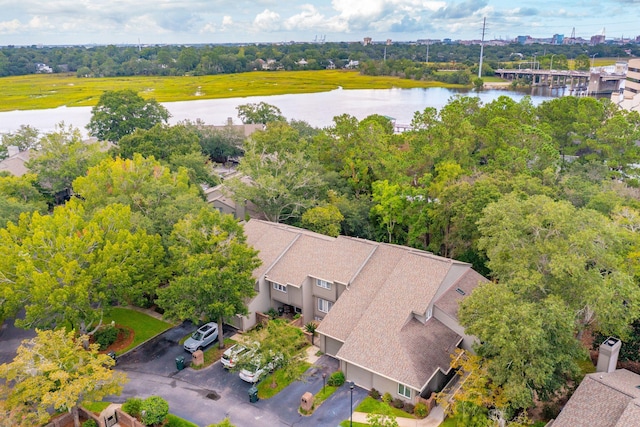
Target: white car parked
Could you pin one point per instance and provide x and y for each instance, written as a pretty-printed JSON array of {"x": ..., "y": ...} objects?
[
  {"x": 255, "y": 370},
  {"x": 231, "y": 356}
]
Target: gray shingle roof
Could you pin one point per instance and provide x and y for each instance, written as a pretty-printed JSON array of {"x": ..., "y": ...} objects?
[
  {"x": 450, "y": 300},
  {"x": 389, "y": 288},
  {"x": 375, "y": 317},
  {"x": 604, "y": 400}
]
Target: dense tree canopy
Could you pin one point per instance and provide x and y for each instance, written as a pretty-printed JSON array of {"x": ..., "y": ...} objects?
[
  {"x": 214, "y": 269},
  {"x": 55, "y": 371},
  {"x": 158, "y": 197},
  {"x": 120, "y": 112},
  {"x": 18, "y": 195},
  {"x": 66, "y": 268},
  {"x": 62, "y": 156},
  {"x": 259, "y": 113}
]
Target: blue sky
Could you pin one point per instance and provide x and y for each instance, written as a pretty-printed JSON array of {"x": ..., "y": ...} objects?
[{"x": 27, "y": 22}]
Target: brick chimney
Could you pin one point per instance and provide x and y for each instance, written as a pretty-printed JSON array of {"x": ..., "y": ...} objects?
[{"x": 608, "y": 355}]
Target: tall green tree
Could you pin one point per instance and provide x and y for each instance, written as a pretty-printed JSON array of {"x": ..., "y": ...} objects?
[
  {"x": 259, "y": 113},
  {"x": 18, "y": 195},
  {"x": 160, "y": 141},
  {"x": 323, "y": 219},
  {"x": 214, "y": 269},
  {"x": 285, "y": 179},
  {"x": 25, "y": 138},
  {"x": 157, "y": 196},
  {"x": 66, "y": 268},
  {"x": 62, "y": 156},
  {"x": 55, "y": 371},
  {"x": 543, "y": 248},
  {"x": 120, "y": 112},
  {"x": 529, "y": 346}
]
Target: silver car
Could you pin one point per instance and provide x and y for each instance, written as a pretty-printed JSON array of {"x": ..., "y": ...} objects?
[{"x": 205, "y": 335}]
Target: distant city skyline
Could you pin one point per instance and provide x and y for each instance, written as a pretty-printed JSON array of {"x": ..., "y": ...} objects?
[{"x": 34, "y": 22}]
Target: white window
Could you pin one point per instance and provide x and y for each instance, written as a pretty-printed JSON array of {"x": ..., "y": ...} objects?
[
  {"x": 324, "y": 305},
  {"x": 297, "y": 310},
  {"x": 404, "y": 391},
  {"x": 279, "y": 287},
  {"x": 323, "y": 284}
]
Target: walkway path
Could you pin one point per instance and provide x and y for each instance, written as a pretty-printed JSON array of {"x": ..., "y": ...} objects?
[{"x": 435, "y": 418}]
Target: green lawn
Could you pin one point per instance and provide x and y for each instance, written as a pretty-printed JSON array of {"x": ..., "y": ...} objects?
[
  {"x": 283, "y": 377},
  {"x": 345, "y": 423},
  {"x": 372, "y": 406},
  {"x": 144, "y": 326},
  {"x": 96, "y": 407},
  {"x": 37, "y": 91},
  {"x": 175, "y": 421}
]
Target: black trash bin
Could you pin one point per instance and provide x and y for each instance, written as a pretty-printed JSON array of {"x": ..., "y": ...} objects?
[
  {"x": 180, "y": 363},
  {"x": 253, "y": 394}
]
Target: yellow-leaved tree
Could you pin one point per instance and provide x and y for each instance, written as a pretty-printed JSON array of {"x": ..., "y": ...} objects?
[{"x": 54, "y": 371}]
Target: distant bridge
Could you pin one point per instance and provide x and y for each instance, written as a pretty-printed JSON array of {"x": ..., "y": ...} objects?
[{"x": 580, "y": 82}]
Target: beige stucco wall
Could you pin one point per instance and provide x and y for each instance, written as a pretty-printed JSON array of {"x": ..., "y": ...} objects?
[
  {"x": 467, "y": 340},
  {"x": 361, "y": 377},
  {"x": 331, "y": 346}
]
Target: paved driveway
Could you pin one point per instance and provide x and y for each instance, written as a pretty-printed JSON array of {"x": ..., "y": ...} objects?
[
  {"x": 209, "y": 395},
  {"x": 10, "y": 339}
]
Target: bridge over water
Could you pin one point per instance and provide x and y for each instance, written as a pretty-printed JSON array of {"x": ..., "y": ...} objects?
[{"x": 578, "y": 82}]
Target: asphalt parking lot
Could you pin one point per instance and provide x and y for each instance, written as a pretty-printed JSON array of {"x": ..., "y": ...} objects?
[{"x": 209, "y": 395}]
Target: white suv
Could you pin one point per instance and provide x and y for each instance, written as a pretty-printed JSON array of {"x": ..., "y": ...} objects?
[
  {"x": 231, "y": 356},
  {"x": 201, "y": 338}
]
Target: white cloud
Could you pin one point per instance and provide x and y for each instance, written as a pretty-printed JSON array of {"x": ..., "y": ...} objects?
[
  {"x": 310, "y": 19},
  {"x": 267, "y": 21},
  {"x": 10, "y": 26}
]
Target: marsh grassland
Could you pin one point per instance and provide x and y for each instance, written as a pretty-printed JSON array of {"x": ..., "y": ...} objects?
[{"x": 38, "y": 91}]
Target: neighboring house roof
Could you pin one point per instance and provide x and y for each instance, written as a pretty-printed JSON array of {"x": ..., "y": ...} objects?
[
  {"x": 603, "y": 400},
  {"x": 244, "y": 129},
  {"x": 15, "y": 165}
]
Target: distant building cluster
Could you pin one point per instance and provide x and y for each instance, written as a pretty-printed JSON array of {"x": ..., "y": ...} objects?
[{"x": 556, "y": 39}]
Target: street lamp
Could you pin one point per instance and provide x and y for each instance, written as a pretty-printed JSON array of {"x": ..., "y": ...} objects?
[
  {"x": 324, "y": 377},
  {"x": 593, "y": 60},
  {"x": 551, "y": 65},
  {"x": 351, "y": 386}
]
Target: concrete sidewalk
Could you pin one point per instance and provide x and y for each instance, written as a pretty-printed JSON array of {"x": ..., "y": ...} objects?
[{"x": 435, "y": 418}]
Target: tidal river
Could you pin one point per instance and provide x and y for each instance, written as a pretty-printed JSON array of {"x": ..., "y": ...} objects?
[{"x": 317, "y": 109}]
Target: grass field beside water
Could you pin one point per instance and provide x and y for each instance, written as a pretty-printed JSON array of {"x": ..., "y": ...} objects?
[{"x": 38, "y": 91}]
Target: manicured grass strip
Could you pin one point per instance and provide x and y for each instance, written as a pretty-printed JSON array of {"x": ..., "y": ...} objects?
[
  {"x": 96, "y": 407},
  {"x": 213, "y": 353},
  {"x": 323, "y": 395},
  {"x": 144, "y": 326},
  {"x": 283, "y": 377},
  {"x": 371, "y": 406},
  {"x": 175, "y": 421},
  {"x": 345, "y": 423},
  {"x": 37, "y": 91}
]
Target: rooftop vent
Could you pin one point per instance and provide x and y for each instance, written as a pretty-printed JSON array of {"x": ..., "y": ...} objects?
[{"x": 460, "y": 291}]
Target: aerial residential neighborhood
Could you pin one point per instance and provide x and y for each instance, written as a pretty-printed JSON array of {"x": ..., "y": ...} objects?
[{"x": 384, "y": 214}]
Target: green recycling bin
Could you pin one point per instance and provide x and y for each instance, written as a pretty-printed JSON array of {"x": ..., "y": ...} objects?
[
  {"x": 180, "y": 363},
  {"x": 253, "y": 394}
]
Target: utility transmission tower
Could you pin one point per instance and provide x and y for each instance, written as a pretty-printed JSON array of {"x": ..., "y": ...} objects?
[{"x": 484, "y": 26}]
